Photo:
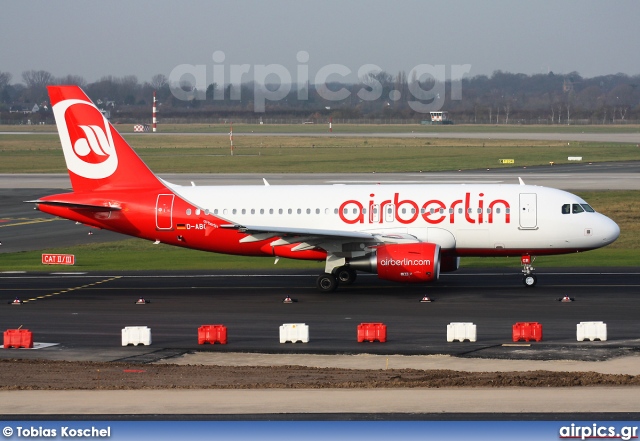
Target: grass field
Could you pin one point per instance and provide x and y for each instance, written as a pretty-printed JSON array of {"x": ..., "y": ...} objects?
[{"x": 41, "y": 153}]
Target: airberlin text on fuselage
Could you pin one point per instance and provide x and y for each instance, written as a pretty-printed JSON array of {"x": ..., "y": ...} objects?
[{"x": 433, "y": 211}]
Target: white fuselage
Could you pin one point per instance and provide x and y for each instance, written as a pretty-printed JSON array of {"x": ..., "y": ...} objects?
[{"x": 472, "y": 219}]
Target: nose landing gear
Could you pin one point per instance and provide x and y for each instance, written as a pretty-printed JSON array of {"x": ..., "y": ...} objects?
[{"x": 528, "y": 278}]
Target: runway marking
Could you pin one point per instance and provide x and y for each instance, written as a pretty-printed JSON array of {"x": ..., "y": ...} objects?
[
  {"x": 71, "y": 289},
  {"x": 30, "y": 221},
  {"x": 80, "y": 275},
  {"x": 69, "y": 274}
]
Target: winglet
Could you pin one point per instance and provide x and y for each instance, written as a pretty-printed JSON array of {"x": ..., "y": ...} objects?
[
  {"x": 265, "y": 182},
  {"x": 521, "y": 181}
]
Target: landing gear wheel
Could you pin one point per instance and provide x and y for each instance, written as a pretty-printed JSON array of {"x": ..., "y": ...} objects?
[
  {"x": 529, "y": 280},
  {"x": 327, "y": 282},
  {"x": 346, "y": 276}
]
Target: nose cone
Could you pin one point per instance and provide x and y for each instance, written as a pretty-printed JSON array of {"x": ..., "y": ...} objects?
[{"x": 609, "y": 231}]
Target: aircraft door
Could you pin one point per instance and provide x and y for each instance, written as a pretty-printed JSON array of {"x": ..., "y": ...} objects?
[
  {"x": 374, "y": 214},
  {"x": 164, "y": 212},
  {"x": 389, "y": 213},
  {"x": 528, "y": 215}
]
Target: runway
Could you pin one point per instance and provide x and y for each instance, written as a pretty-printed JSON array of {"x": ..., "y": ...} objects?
[
  {"x": 83, "y": 314},
  {"x": 579, "y": 176}
]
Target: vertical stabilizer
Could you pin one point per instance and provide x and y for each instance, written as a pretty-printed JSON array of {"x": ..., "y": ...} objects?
[{"x": 97, "y": 157}]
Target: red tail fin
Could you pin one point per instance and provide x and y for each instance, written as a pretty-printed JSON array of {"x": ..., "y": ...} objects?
[{"x": 97, "y": 157}]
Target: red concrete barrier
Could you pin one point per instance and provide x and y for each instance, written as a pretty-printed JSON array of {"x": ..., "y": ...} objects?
[
  {"x": 212, "y": 334},
  {"x": 18, "y": 338},
  {"x": 527, "y": 331},
  {"x": 371, "y": 332}
]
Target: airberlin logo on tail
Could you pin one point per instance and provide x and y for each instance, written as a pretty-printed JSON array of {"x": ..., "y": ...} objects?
[
  {"x": 86, "y": 139},
  {"x": 94, "y": 141}
]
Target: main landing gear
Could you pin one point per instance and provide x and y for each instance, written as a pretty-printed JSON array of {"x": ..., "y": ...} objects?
[
  {"x": 328, "y": 282},
  {"x": 528, "y": 278}
]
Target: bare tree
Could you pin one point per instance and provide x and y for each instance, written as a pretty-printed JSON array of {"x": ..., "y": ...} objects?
[
  {"x": 37, "y": 82},
  {"x": 622, "y": 97},
  {"x": 377, "y": 84},
  {"x": 129, "y": 81},
  {"x": 623, "y": 112},
  {"x": 37, "y": 78},
  {"x": 159, "y": 81},
  {"x": 75, "y": 80},
  {"x": 570, "y": 97},
  {"x": 588, "y": 100},
  {"x": 402, "y": 87},
  {"x": 507, "y": 108},
  {"x": 382, "y": 77},
  {"x": 559, "y": 104},
  {"x": 5, "y": 79}
]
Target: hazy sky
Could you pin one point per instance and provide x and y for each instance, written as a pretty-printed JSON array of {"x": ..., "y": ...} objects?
[{"x": 143, "y": 38}]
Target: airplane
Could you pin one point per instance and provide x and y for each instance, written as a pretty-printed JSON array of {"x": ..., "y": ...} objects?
[{"x": 403, "y": 233}]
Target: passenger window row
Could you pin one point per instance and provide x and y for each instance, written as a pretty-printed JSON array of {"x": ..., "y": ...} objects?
[
  {"x": 335, "y": 211},
  {"x": 261, "y": 211}
]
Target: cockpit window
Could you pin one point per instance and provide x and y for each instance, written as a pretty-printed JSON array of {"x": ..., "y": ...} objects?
[{"x": 577, "y": 208}]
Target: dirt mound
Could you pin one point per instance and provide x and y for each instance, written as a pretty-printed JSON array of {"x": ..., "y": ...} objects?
[{"x": 63, "y": 375}]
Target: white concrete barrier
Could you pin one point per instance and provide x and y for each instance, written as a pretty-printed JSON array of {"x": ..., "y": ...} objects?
[
  {"x": 591, "y": 331},
  {"x": 294, "y": 332},
  {"x": 136, "y": 335},
  {"x": 461, "y": 332}
]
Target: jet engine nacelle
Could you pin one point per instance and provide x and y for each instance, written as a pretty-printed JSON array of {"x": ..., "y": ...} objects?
[{"x": 413, "y": 263}]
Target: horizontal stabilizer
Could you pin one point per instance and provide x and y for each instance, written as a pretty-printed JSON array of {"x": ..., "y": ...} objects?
[{"x": 75, "y": 205}]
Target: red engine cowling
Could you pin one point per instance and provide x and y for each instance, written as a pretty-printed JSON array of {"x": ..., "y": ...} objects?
[{"x": 409, "y": 263}]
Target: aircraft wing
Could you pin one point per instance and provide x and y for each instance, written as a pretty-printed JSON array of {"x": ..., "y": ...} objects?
[
  {"x": 308, "y": 238},
  {"x": 264, "y": 232}
]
